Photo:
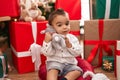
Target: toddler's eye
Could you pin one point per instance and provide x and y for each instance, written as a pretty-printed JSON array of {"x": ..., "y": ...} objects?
[
  {"x": 67, "y": 23},
  {"x": 59, "y": 25}
]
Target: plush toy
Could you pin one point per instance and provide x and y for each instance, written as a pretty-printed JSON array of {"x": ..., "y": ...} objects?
[
  {"x": 97, "y": 76},
  {"x": 48, "y": 29},
  {"x": 58, "y": 41},
  {"x": 31, "y": 13}
]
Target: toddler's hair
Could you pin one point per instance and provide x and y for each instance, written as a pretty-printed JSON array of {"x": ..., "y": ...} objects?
[{"x": 58, "y": 11}]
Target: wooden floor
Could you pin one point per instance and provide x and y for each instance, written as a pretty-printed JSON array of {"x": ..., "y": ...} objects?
[
  {"x": 110, "y": 75},
  {"x": 13, "y": 75},
  {"x": 34, "y": 75},
  {"x": 27, "y": 76}
]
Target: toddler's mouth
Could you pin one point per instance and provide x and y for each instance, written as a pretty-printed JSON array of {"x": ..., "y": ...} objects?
[{"x": 65, "y": 31}]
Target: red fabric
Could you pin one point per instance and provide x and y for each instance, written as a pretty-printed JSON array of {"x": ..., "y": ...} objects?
[
  {"x": 101, "y": 45},
  {"x": 76, "y": 33},
  {"x": 73, "y": 7},
  {"x": 21, "y": 38},
  {"x": 81, "y": 62},
  {"x": 9, "y": 8},
  {"x": 118, "y": 52}
]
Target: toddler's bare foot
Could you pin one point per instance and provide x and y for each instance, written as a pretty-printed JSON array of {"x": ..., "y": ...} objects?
[{"x": 10, "y": 68}]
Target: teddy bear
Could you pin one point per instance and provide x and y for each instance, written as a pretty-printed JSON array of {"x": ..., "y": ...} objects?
[
  {"x": 58, "y": 41},
  {"x": 97, "y": 76},
  {"x": 31, "y": 13}
]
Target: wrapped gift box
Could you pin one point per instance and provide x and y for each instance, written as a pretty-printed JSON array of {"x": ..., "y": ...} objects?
[
  {"x": 22, "y": 36},
  {"x": 106, "y": 9},
  {"x": 3, "y": 65},
  {"x": 100, "y": 36},
  {"x": 9, "y": 8},
  {"x": 77, "y": 9},
  {"x": 108, "y": 63},
  {"x": 117, "y": 61}
]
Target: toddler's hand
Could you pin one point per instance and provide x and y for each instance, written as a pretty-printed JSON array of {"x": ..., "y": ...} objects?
[
  {"x": 48, "y": 37},
  {"x": 68, "y": 44}
]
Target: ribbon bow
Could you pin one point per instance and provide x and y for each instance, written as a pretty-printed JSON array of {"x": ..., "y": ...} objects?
[
  {"x": 35, "y": 49},
  {"x": 100, "y": 46}
]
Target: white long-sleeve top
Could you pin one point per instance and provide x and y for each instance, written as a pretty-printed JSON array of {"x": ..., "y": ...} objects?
[{"x": 65, "y": 55}]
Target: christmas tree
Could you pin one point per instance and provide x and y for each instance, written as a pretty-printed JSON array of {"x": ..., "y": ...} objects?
[
  {"x": 47, "y": 8},
  {"x": 4, "y": 29}
]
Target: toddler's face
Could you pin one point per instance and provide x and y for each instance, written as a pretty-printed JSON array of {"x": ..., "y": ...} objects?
[{"x": 61, "y": 24}]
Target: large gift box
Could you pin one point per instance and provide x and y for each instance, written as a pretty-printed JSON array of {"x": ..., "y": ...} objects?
[
  {"x": 117, "y": 61},
  {"x": 23, "y": 36},
  {"x": 77, "y": 9},
  {"x": 100, "y": 36},
  {"x": 106, "y": 9},
  {"x": 9, "y": 8}
]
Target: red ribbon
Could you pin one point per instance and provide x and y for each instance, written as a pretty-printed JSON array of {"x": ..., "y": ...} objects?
[
  {"x": 99, "y": 46},
  {"x": 118, "y": 52},
  {"x": 76, "y": 33}
]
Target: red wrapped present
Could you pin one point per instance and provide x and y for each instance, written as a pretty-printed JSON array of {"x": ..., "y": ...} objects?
[
  {"x": 117, "y": 61},
  {"x": 77, "y": 9},
  {"x": 23, "y": 36},
  {"x": 100, "y": 36},
  {"x": 9, "y": 8},
  {"x": 105, "y": 9}
]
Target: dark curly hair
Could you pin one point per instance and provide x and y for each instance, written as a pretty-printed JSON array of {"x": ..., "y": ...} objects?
[{"x": 58, "y": 11}]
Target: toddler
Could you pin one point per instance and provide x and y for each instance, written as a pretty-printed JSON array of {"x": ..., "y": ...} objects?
[{"x": 61, "y": 62}]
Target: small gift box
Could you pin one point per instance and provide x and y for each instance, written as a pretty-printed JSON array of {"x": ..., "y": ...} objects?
[
  {"x": 108, "y": 63},
  {"x": 3, "y": 66}
]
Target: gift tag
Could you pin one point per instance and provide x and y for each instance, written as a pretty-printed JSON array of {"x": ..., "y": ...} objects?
[{"x": 108, "y": 63}]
